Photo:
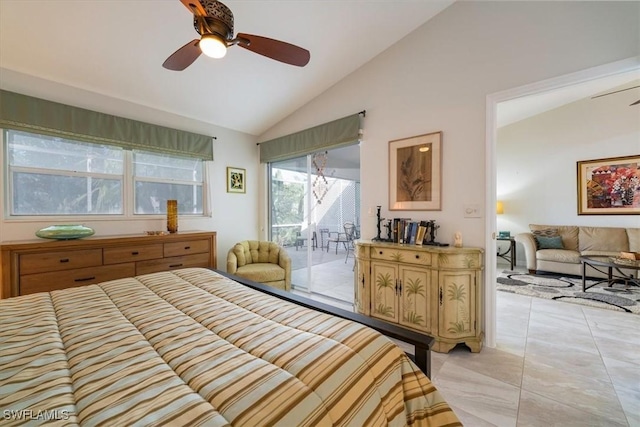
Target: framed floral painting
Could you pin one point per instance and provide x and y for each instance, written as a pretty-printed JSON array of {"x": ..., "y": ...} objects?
[
  {"x": 415, "y": 173},
  {"x": 609, "y": 186},
  {"x": 236, "y": 180}
]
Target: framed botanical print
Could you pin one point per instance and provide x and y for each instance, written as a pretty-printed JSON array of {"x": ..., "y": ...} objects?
[
  {"x": 236, "y": 180},
  {"x": 415, "y": 173}
]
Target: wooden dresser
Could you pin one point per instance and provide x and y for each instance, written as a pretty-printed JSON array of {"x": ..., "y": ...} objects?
[
  {"x": 434, "y": 290},
  {"x": 46, "y": 265}
]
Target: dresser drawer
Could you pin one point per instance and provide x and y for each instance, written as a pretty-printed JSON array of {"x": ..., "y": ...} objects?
[
  {"x": 173, "y": 263},
  {"x": 32, "y": 283},
  {"x": 186, "y": 247},
  {"x": 132, "y": 253},
  {"x": 401, "y": 255},
  {"x": 63, "y": 260}
]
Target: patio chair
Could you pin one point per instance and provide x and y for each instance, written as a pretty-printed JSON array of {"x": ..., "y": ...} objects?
[
  {"x": 350, "y": 233},
  {"x": 323, "y": 232},
  {"x": 302, "y": 241},
  {"x": 338, "y": 237}
]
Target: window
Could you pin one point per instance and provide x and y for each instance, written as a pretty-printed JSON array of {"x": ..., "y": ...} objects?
[
  {"x": 53, "y": 176},
  {"x": 50, "y": 176},
  {"x": 159, "y": 177}
]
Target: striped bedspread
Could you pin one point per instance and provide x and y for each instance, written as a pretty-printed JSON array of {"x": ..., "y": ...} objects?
[{"x": 193, "y": 348}]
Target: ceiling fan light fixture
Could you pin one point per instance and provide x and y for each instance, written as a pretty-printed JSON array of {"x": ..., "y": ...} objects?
[{"x": 213, "y": 46}]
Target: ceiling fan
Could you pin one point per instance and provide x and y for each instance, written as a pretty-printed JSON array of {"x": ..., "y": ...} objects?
[
  {"x": 214, "y": 22},
  {"x": 617, "y": 91}
]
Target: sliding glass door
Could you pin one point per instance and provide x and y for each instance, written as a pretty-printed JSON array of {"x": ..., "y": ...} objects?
[{"x": 311, "y": 199}]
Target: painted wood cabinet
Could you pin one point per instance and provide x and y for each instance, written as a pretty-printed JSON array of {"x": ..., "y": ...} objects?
[{"x": 434, "y": 290}]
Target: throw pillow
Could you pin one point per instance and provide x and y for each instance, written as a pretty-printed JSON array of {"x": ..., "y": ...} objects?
[
  {"x": 547, "y": 232},
  {"x": 554, "y": 242}
]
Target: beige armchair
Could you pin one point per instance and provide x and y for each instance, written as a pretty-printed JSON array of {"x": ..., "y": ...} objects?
[{"x": 260, "y": 261}]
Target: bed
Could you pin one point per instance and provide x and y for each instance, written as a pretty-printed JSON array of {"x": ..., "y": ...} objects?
[{"x": 193, "y": 347}]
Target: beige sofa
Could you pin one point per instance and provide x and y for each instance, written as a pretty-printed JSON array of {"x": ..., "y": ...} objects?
[
  {"x": 261, "y": 261},
  {"x": 576, "y": 241}
]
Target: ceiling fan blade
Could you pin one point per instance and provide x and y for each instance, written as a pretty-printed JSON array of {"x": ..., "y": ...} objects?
[
  {"x": 194, "y": 7},
  {"x": 615, "y": 91},
  {"x": 275, "y": 49},
  {"x": 635, "y": 103},
  {"x": 183, "y": 57}
]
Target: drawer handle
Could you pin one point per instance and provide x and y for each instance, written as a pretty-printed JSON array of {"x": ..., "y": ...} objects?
[
  {"x": 187, "y": 247},
  {"x": 417, "y": 256},
  {"x": 64, "y": 260},
  {"x": 135, "y": 253},
  {"x": 175, "y": 265},
  {"x": 380, "y": 252},
  {"x": 85, "y": 279}
]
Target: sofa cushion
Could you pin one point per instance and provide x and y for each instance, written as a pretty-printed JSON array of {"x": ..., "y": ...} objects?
[
  {"x": 603, "y": 239},
  {"x": 553, "y": 242},
  {"x": 633, "y": 234},
  {"x": 569, "y": 234},
  {"x": 261, "y": 272},
  {"x": 545, "y": 232},
  {"x": 558, "y": 255}
]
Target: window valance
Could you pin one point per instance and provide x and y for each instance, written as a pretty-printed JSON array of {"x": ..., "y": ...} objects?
[
  {"x": 338, "y": 133},
  {"x": 29, "y": 114}
]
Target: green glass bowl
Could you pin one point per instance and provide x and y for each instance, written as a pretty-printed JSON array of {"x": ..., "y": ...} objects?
[{"x": 65, "y": 232}]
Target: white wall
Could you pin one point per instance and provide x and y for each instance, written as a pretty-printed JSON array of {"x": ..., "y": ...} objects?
[
  {"x": 536, "y": 159},
  {"x": 235, "y": 216},
  {"x": 438, "y": 77}
]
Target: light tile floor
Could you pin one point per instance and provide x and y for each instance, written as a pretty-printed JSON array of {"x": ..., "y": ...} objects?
[{"x": 555, "y": 364}]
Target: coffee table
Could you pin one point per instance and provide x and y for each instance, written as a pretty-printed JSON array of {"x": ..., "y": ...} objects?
[{"x": 611, "y": 266}]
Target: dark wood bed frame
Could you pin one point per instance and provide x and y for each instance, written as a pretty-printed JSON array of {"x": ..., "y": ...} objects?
[{"x": 421, "y": 342}]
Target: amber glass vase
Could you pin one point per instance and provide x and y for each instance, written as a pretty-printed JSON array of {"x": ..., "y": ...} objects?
[{"x": 172, "y": 216}]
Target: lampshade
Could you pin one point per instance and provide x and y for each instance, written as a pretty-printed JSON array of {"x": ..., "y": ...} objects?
[
  {"x": 213, "y": 46},
  {"x": 499, "y": 207}
]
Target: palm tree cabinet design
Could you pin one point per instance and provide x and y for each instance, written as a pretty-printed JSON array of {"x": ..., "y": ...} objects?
[{"x": 433, "y": 290}]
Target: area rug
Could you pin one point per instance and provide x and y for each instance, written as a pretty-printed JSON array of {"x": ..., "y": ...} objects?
[{"x": 619, "y": 297}]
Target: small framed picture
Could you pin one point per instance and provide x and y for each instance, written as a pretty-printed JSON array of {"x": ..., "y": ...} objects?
[
  {"x": 415, "y": 173},
  {"x": 236, "y": 180}
]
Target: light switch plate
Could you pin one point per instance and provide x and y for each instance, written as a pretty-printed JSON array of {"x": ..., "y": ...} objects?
[{"x": 472, "y": 211}]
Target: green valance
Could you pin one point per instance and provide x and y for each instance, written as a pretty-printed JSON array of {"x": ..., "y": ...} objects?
[
  {"x": 29, "y": 114},
  {"x": 338, "y": 133}
]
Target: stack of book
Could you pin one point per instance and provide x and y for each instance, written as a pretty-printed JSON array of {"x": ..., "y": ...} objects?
[{"x": 408, "y": 232}]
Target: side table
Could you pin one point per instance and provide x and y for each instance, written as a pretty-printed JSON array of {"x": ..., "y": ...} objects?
[{"x": 510, "y": 253}]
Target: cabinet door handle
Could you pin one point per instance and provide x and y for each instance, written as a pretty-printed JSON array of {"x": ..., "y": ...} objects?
[
  {"x": 175, "y": 265},
  {"x": 64, "y": 260},
  {"x": 85, "y": 279},
  {"x": 134, "y": 253},
  {"x": 400, "y": 286},
  {"x": 396, "y": 286},
  {"x": 440, "y": 296}
]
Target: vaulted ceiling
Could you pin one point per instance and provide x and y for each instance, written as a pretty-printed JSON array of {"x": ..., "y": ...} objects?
[{"x": 116, "y": 48}]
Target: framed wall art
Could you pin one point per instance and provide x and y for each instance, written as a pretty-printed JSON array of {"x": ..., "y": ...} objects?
[
  {"x": 236, "y": 180},
  {"x": 415, "y": 173},
  {"x": 609, "y": 186}
]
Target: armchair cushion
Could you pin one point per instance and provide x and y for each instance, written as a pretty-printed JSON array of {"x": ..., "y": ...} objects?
[{"x": 262, "y": 272}]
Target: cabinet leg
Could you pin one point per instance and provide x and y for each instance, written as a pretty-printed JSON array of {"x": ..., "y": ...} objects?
[
  {"x": 474, "y": 346},
  {"x": 442, "y": 347}
]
